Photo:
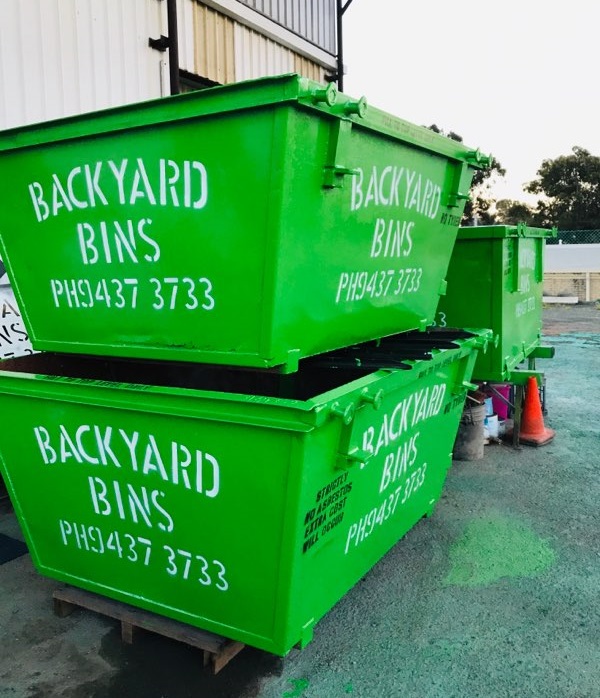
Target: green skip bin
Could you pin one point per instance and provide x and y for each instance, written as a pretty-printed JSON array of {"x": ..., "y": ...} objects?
[
  {"x": 245, "y": 504},
  {"x": 252, "y": 224},
  {"x": 495, "y": 280}
]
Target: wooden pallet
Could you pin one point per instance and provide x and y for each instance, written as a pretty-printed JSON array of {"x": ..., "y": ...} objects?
[{"x": 217, "y": 650}]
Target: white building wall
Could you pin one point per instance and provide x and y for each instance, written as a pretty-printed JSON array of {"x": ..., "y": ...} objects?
[
  {"x": 186, "y": 10},
  {"x": 562, "y": 258},
  {"x": 63, "y": 57}
]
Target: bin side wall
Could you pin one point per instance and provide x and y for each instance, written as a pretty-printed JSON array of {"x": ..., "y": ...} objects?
[
  {"x": 165, "y": 246},
  {"x": 367, "y": 257},
  {"x": 357, "y": 513},
  {"x": 184, "y": 517}
]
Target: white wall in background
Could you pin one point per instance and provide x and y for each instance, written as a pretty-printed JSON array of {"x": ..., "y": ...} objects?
[{"x": 64, "y": 57}]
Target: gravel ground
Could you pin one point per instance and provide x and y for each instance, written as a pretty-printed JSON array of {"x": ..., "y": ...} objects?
[{"x": 496, "y": 595}]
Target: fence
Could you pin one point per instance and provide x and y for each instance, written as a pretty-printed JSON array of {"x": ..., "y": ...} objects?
[{"x": 576, "y": 237}]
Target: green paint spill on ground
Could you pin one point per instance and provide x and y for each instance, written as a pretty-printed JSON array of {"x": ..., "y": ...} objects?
[
  {"x": 299, "y": 686},
  {"x": 494, "y": 547},
  {"x": 348, "y": 688}
]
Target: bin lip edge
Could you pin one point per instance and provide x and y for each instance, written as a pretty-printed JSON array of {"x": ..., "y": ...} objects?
[
  {"x": 349, "y": 390},
  {"x": 501, "y": 231},
  {"x": 289, "y": 88}
]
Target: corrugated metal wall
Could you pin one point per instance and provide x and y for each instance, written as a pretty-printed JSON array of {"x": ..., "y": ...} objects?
[
  {"x": 256, "y": 56},
  {"x": 219, "y": 48},
  {"x": 312, "y": 19},
  {"x": 214, "y": 40},
  {"x": 62, "y": 57}
]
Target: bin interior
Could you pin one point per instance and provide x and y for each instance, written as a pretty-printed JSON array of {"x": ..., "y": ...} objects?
[{"x": 316, "y": 375}]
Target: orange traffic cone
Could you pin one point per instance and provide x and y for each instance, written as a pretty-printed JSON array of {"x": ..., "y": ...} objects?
[{"x": 533, "y": 431}]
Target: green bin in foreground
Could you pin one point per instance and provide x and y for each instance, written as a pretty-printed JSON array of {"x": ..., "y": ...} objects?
[
  {"x": 251, "y": 224},
  {"x": 239, "y": 512},
  {"x": 495, "y": 280}
]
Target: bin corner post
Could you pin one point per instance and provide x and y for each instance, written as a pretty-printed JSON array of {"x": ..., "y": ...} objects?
[{"x": 274, "y": 305}]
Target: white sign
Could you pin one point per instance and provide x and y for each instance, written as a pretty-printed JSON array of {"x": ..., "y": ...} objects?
[{"x": 13, "y": 335}]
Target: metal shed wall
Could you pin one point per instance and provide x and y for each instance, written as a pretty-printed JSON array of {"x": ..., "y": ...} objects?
[
  {"x": 257, "y": 56},
  {"x": 218, "y": 47},
  {"x": 209, "y": 43},
  {"x": 312, "y": 19},
  {"x": 62, "y": 57}
]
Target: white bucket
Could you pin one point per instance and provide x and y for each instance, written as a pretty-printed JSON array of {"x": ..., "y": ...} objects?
[{"x": 491, "y": 426}]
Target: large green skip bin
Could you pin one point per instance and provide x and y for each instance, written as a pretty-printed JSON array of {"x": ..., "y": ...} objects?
[
  {"x": 248, "y": 515},
  {"x": 251, "y": 224},
  {"x": 495, "y": 280}
]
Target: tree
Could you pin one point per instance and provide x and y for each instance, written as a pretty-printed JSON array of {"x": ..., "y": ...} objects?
[
  {"x": 571, "y": 187},
  {"x": 510, "y": 212},
  {"x": 480, "y": 205}
]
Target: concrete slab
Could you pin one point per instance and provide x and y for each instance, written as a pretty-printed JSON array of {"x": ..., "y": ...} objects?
[{"x": 496, "y": 595}]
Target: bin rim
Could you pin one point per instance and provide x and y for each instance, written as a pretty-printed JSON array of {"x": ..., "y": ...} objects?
[
  {"x": 486, "y": 232},
  {"x": 284, "y": 413},
  {"x": 234, "y": 97}
]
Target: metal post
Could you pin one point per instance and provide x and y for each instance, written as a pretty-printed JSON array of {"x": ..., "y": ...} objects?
[
  {"x": 341, "y": 8},
  {"x": 173, "y": 46},
  {"x": 340, "y": 47}
]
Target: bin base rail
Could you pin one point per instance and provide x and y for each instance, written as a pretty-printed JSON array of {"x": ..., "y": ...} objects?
[{"x": 217, "y": 651}]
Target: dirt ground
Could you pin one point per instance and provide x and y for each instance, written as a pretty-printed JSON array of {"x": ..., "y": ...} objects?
[
  {"x": 582, "y": 317},
  {"x": 496, "y": 595}
]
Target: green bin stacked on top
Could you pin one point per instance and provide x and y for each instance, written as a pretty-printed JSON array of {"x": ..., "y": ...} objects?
[
  {"x": 249, "y": 225},
  {"x": 183, "y": 255}
]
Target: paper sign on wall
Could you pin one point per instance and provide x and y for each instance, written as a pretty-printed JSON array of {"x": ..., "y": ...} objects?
[{"x": 13, "y": 335}]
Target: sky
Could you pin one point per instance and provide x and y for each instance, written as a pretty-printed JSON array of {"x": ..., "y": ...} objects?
[{"x": 515, "y": 78}]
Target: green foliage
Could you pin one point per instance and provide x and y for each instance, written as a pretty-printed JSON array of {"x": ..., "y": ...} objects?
[
  {"x": 570, "y": 185},
  {"x": 510, "y": 212},
  {"x": 480, "y": 205}
]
